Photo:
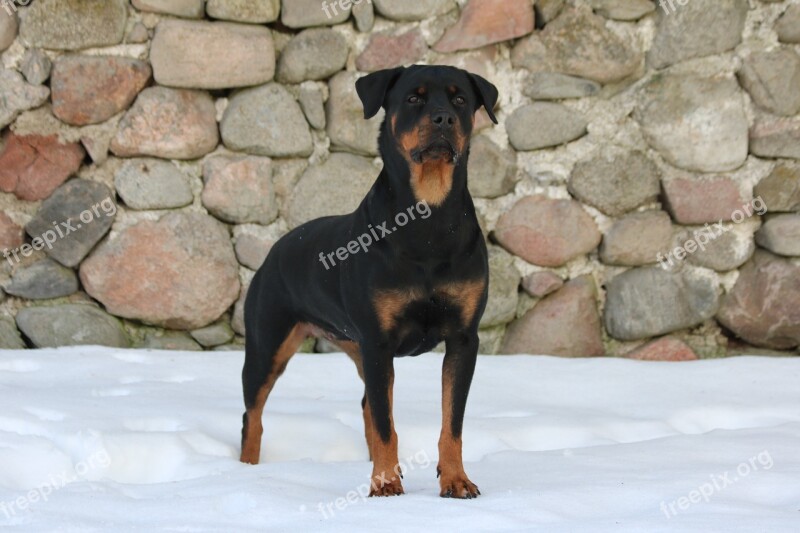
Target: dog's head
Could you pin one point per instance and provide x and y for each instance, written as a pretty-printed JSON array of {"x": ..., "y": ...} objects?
[{"x": 430, "y": 114}]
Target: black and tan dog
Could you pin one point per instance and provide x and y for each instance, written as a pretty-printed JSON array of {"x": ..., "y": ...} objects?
[{"x": 413, "y": 287}]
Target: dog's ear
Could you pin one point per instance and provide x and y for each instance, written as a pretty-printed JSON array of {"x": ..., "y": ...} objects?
[
  {"x": 487, "y": 94},
  {"x": 372, "y": 89}
]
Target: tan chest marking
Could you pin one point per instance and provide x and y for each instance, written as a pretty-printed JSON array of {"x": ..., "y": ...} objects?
[{"x": 466, "y": 295}]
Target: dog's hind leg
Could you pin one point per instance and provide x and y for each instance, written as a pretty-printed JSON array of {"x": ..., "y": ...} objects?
[
  {"x": 270, "y": 343},
  {"x": 353, "y": 352}
]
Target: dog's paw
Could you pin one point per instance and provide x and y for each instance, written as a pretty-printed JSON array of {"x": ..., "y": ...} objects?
[
  {"x": 385, "y": 487},
  {"x": 457, "y": 485}
]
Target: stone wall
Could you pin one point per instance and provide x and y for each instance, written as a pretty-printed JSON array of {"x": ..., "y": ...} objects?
[{"x": 641, "y": 192}]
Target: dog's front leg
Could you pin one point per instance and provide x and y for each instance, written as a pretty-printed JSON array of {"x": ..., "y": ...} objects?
[
  {"x": 457, "y": 369},
  {"x": 379, "y": 381}
]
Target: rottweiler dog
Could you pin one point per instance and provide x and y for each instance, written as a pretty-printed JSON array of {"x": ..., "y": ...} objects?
[{"x": 403, "y": 272}]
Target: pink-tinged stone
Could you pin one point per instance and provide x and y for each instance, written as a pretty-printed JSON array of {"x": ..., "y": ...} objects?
[
  {"x": 11, "y": 235},
  {"x": 663, "y": 349},
  {"x": 566, "y": 323},
  {"x": 33, "y": 166},
  {"x": 694, "y": 201},
  {"x": 389, "y": 50},
  {"x": 547, "y": 232},
  {"x": 540, "y": 284},
  {"x": 168, "y": 123},
  {"x": 485, "y": 22},
  {"x": 762, "y": 307},
  {"x": 239, "y": 189},
  {"x": 90, "y": 90},
  {"x": 578, "y": 43},
  {"x": 178, "y": 273}
]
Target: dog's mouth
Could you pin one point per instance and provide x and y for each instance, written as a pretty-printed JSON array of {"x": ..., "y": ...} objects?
[{"x": 440, "y": 149}]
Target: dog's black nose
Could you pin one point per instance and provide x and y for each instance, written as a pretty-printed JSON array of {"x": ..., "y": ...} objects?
[{"x": 444, "y": 120}]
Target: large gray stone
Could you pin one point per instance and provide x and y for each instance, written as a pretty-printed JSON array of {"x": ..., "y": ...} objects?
[
  {"x": 335, "y": 187},
  {"x": 492, "y": 171},
  {"x": 780, "y": 191},
  {"x": 762, "y": 307},
  {"x": 74, "y": 24},
  {"x": 698, "y": 28},
  {"x": 179, "y": 272},
  {"x": 637, "y": 239},
  {"x": 8, "y": 29},
  {"x": 404, "y": 10},
  {"x": 313, "y": 106},
  {"x": 781, "y": 235},
  {"x": 266, "y": 121},
  {"x": 171, "y": 340},
  {"x": 345, "y": 114},
  {"x": 251, "y": 11},
  {"x": 35, "y": 66},
  {"x": 168, "y": 123},
  {"x": 314, "y": 54},
  {"x": 579, "y": 44},
  {"x": 71, "y": 325},
  {"x": 544, "y": 124},
  {"x": 723, "y": 253},
  {"x": 504, "y": 279},
  {"x": 649, "y": 301},
  {"x": 566, "y": 324},
  {"x": 211, "y": 55},
  {"x": 615, "y": 184},
  {"x": 773, "y": 80},
  {"x": 776, "y": 137},
  {"x": 548, "y": 10},
  {"x": 623, "y": 9},
  {"x": 213, "y": 335},
  {"x": 554, "y": 86},
  {"x": 307, "y": 13},
  {"x": 9, "y": 336},
  {"x": 364, "y": 15},
  {"x": 788, "y": 26},
  {"x": 152, "y": 184},
  {"x": 193, "y": 9},
  {"x": 43, "y": 280},
  {"x": 695, "y": 122},
  {"x": 83, "y": 211},
  {"x": 18, "y": 96}
]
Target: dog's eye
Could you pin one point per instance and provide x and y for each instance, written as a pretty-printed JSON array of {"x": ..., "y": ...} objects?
[
  {"x": 459, "y": 100},
  {"x": 414, "y": 99}
]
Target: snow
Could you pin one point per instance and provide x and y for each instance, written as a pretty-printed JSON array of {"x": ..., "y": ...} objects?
[{"x": 98, "y": 439}]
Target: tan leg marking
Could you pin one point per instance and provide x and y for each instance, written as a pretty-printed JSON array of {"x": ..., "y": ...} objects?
[
  {"x": 251, "y": 448},
  {"x": 453, "y": 481},
  {"x": 385, "y": 465},
  {"x": 354, "y": 352}
]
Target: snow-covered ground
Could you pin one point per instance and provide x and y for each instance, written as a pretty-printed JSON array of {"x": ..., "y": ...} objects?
[{"x": 98, "y": 439}]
